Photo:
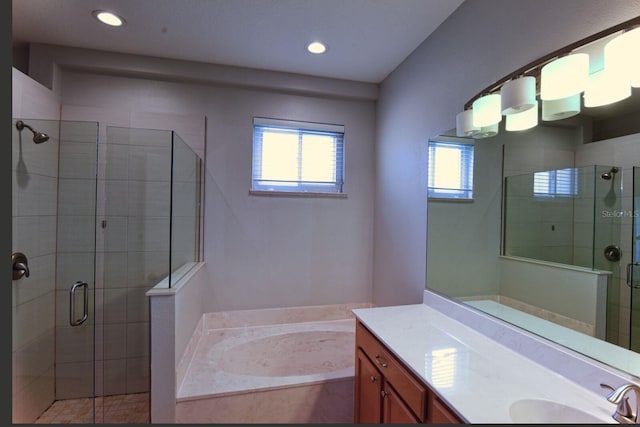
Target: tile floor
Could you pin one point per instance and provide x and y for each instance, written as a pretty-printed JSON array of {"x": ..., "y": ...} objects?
[{"x": 123, "y": 408}]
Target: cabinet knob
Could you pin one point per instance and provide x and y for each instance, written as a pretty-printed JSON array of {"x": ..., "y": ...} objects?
[
  {"x": 373, "y": 379},
  {"x": 380, "y": 361},
  {"x": 383, "y": 394}
]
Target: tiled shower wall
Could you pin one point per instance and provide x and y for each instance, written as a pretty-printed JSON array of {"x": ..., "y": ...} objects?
[
  {"x": 34, "y": 214},
  {"x": 34, "y": 192}
]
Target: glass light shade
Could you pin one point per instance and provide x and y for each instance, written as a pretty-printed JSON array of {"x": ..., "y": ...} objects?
[
  {"x": 464, "y": 124},
  {"x": 524, "y": 120},
  {"x": 487, "y": 131},
  {"x": 622, "y": 55},
  {"x": 562, "y": 108},
  {"x": 486, "y": 110},
  {"x": 108, "y": 18},
  {"x": 518, "y": 95},
  {"x": 606, "y": 87},
  {"x": 317, "y": 48},
  {"x": 564, "y": 77}
]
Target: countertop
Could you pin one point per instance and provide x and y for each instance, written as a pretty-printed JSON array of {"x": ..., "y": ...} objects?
[{"x": 477, "y": 377}]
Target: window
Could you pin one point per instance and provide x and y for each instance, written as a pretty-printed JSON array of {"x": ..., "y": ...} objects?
[
  {"x": 450, "y": 170},
  {"x": 290, "y": 156},
  {"x": 554, "y": 183}
]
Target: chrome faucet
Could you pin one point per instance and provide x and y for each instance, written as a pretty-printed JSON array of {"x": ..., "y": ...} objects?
[{"x": 623, "y": 413}]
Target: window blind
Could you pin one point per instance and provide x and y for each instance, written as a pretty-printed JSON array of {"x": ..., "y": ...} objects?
[
  {"x": 297, "y": 156},
  {"x": 561, "y": 182},
  {"x": 450, "y": 170}
]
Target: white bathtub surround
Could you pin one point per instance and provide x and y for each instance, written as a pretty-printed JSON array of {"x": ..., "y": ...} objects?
[
  {"x": 175, "y": 315},
  {"x": 288, "y": 373},
  {"x": 477, "y": 377},
  {"x": 548, "y": 285},
  {"x": 326, "y": 402},
  {"x": 280, "y": 365},
  {"x": 499, "y": 305},
  {"x": 247, "y": 359},
  {"x": 278, "y": 316}
]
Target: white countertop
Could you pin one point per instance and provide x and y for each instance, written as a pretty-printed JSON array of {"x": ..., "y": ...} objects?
[{"x": 477, "y": 377}]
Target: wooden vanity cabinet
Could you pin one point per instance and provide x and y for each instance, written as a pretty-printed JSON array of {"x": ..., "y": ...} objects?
[{"x": 387, "y": 392}]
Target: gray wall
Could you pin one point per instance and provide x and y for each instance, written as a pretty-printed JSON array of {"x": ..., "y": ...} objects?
[
  {"x": 261, "y": 252},
  {"x": 482, "y": 41}
]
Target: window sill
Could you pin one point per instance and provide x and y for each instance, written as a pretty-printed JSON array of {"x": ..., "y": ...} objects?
[{"x": 297, "y": 194}]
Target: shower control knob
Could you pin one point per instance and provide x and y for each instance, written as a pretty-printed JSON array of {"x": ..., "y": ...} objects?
[
  {"x": 20, "y": 265},
  {"x": 612, "y": 253}
]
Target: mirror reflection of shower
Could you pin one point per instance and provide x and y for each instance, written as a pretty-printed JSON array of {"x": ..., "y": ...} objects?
[
  {"x": 610, "y": 175},
  {"x": 38, "y": 137}
]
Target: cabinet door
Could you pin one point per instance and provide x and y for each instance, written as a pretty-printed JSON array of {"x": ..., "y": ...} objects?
[
  {"x": 368, "y": 387},
  {"x": 440, "y": 414},
  {"x": 394, "y": 409}
]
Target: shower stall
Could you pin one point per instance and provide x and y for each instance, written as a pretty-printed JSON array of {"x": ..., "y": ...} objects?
[
  {"x": 95, "y": 224},
  {"x": 583, "y": 217}
]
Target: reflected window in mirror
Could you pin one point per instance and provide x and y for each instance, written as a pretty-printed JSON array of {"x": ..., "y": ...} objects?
[
  {"x": 554, "y": 183},
  {"x": 450, "y": 170}
]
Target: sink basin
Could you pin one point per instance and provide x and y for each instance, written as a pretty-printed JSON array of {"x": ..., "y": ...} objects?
[{"x": 537, "y": 411}]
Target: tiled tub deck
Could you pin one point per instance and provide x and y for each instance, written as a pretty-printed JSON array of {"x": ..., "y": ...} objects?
[{"x": 290, "y": 365}]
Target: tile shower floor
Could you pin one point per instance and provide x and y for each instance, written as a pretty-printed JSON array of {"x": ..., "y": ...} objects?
[{"x": 122, "y": 408}]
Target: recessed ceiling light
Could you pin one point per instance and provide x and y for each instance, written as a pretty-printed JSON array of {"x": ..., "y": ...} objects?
[
  {"x": 317, "y": 47},
  {"x": 108, "y": 18}
]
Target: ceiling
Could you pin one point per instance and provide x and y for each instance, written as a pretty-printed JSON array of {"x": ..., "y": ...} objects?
[{"x": 367, "y": 39}]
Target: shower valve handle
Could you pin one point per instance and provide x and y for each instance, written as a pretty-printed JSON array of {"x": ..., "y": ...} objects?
[{"x": 20, "y": 265}]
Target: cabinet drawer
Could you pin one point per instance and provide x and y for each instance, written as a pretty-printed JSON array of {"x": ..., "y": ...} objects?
[{"x": 412, "y": 392}]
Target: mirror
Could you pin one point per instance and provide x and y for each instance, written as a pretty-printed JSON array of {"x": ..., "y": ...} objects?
[{"x": 550, "y": 241}]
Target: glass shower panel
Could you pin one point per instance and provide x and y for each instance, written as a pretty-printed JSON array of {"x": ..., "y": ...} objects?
[
  {"x": 133, "y": 249},
  {"x": 607, "y": 252},
  {"x": 634, "y": 268},
  {"x": 539, "y": 215},
  {"x": 185, "y": 208}
]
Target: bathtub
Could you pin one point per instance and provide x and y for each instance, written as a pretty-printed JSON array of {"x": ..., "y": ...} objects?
[{"x": 291, "y": 365}]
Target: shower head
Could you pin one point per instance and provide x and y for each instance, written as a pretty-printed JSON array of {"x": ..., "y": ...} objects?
[
  {"x": 608, "y": 175},
  {"x": 38, "y": 137}
]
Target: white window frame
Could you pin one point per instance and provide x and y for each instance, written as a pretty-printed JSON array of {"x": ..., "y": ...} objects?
[
  {"x": 464, "y": 190},
  {"x": 260, "y": 184}
]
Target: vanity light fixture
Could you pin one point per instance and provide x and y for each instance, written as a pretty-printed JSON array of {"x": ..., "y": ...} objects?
[
  {"x": 562, "y": 108},
  {"x": 108, "y": 18},
  {"x": 524, "y": 120},
  {"x": 564, "y": 77},
  {"x": 518, "y": 95},
  {"x": 464, "y": 124},
  {"x": 622, "y": 56},
  {"x": 606, "y": 87},
  {"x": 486, "y": 110},
  {"x": 487, "y": 131},
  {"x": 316, "y": 47}
]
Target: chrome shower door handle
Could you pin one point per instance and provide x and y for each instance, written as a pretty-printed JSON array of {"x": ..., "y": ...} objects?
[
  {"x": 73, "y": 320},
  {"x": 630, "y": 275}
]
